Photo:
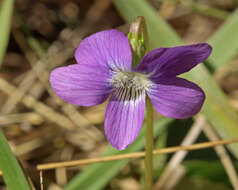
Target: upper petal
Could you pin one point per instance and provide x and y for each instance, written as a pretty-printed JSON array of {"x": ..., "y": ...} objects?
[
  {"x": 124, "y": 117},
  {"x": 81, "y": 84},
  {"x": 106, "y": 49},
  {"x": 177, "y": 98},
  {"x": 170, "y": 62}
]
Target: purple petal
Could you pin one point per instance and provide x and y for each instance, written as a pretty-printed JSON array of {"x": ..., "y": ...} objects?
[
  {"x": 170, "y": 62},
  {"x": 108, "y": 49},
  {"x": 124, "y": 117},
  {"x": 81, "y": 84},
  {"x": 177, "y": 98}
]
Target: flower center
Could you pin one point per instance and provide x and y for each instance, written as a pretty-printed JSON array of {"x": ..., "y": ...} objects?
[{"x": 134, "y": 80}]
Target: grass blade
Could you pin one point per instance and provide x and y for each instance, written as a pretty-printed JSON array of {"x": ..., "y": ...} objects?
[
  {"x": 224, "y": 42},
  {"x": 5, "y": 23},
  {"x": 216, "y": 108},
  {"x": 96, "y": 176},
  {"x": 12, "y": 173}
]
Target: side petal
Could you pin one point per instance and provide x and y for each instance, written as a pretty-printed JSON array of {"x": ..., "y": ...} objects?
[
  {"x": 81, "y": 84},
  {"x": 177, "y": 98},
  {"x": 171, "y": 62},
  {"x": 124, "y": 117},
  {"x": 106, "y": 49}
]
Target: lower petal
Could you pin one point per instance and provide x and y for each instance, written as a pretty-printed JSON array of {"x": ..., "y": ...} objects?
[
  {"x": 80, "y": 84},
  {"x": 177, "y": 98},
  {"x": 124, "y": 117}
]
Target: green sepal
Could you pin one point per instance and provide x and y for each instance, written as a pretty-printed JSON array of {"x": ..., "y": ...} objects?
[{"x": 138, "y": 38}]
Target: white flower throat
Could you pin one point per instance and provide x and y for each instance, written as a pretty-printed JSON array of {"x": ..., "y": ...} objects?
[
  {"x": 130, "y": 86},
  {"x": 135, "y": 80}
]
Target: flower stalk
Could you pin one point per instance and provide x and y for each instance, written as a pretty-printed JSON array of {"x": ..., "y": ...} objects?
[
  {"x": 149, "y": 145},
  {"x": 139, "y": 42}
]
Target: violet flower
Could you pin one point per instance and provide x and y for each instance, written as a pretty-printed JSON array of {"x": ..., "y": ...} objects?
[{"x": 105, "y": 68}]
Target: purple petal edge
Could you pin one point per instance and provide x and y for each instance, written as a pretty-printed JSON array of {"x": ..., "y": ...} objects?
[
  {"x": 106, "y": 49},
  {"x": 75, "y": 84},
  {"x": 177, "y": 98},
  {"x": 170, "y": 62}
]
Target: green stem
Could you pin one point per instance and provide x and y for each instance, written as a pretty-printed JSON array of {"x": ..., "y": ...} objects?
[
  {"x": 139, "y": 41},
  {"x": 149, "y": 146}
]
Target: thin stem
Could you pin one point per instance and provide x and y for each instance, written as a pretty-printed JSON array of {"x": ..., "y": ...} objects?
[
  {"x": 169, "y": 150},
  {"x": 149, "y": 146},
  {"x": 41, "y": 180}
]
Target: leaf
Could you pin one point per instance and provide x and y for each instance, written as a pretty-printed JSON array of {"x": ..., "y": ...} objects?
[
  {"x": 211, "y": 170},
  {"x": 5, "y": 23},
  {"x": 216, "y": 108},
  {"x": 98, "y": 175},
  {"x": 12, "y": 173},
  {"x": 224, "y": 42}
]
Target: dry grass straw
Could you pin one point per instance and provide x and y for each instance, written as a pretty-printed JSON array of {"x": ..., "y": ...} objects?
[
  {"x": 30, "y": 117},
  {"x": 135, "y": 155},
  {"x": 38, "y": 106},
  {"x": 75, "y": 163},
  {"x": 174, "y": 164},
  {"x": 223, "y": 155}
]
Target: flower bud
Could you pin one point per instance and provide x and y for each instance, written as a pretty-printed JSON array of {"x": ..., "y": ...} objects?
[{"x": 138, "y": 38}]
